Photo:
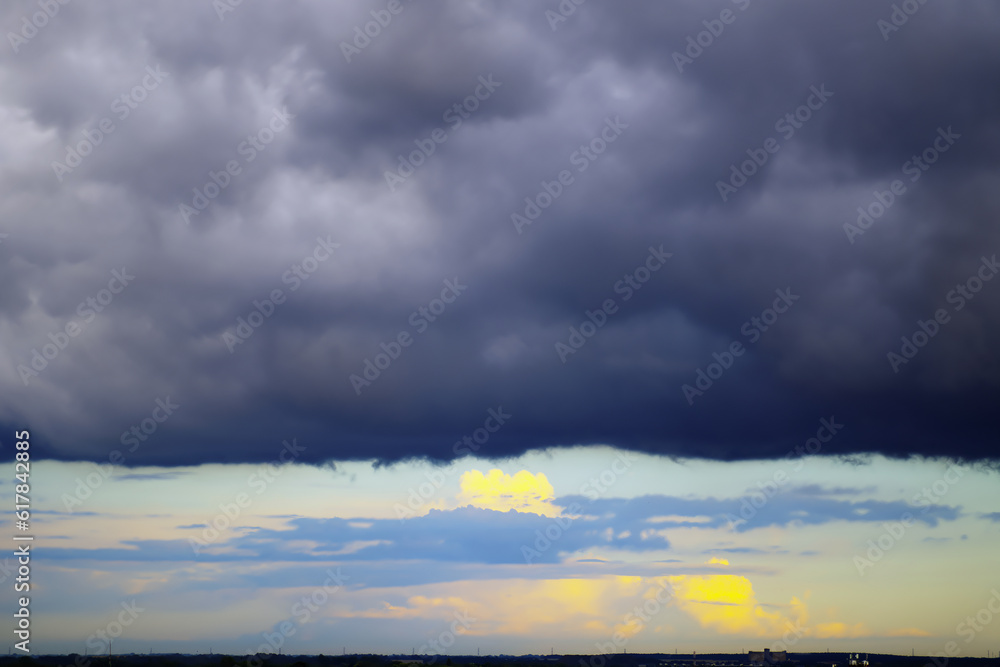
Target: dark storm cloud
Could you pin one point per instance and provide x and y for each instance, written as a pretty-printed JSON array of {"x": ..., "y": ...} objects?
[{"x": 311, "y": 214}]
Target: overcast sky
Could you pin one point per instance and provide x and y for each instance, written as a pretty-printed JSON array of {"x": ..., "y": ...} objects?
[{"x": 400, "y": 234}]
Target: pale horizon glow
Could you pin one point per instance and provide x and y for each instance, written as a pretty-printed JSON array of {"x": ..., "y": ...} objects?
[{"x": 730, "y": 589}]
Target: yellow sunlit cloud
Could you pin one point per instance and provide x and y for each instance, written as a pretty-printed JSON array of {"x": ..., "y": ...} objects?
[
  {"x": 496, "y": 490},
  {"x": 519, "y": 606},
  {"x": 718, "y": 561},
  {"x": 525, "y": 605},
  {"x": 419, "y": 606},
  {"x": 726, "y": 603}
]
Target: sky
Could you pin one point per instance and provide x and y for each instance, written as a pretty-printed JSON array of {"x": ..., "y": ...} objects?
[{"x": 531, "y": 313}]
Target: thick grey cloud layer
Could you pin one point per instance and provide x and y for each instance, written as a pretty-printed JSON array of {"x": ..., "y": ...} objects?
[{"x": 267, "y": 92}]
